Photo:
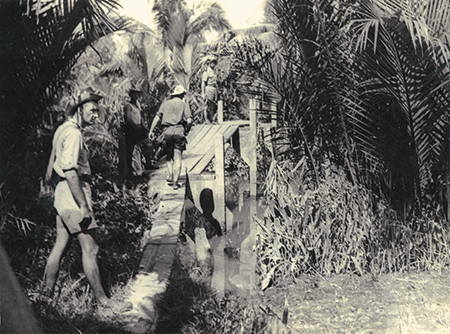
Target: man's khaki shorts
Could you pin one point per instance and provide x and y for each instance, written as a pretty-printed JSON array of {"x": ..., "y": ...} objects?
[
  {"x": 69, "y": 213},
  {"x": 174, "y": 139}
]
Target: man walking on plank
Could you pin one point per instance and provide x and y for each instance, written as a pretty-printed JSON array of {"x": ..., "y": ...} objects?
[{"x": 176, "y": 120}]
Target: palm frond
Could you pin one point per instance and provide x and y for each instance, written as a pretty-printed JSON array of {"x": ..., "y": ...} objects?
[
  {"x": 155, "y": 62},
  {"x": 40, "y": 43},
  {"x": 167, "y": 15},
  {"x": 360, "y": 88},
  {"x": 428, "y": 22},
  {"x": 186, "y": 65},
  {"x": 208, "y": 15},
  {"x": 405, "y": 94}
]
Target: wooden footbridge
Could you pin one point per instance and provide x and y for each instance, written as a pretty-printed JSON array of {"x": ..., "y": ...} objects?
[{"x": 205, "y": 191}]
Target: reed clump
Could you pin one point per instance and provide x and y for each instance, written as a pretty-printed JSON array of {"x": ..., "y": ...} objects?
[{"x": 332, "y": 226}]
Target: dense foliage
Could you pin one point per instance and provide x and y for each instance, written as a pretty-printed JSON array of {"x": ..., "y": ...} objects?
[
  {"x": 335, "y": 227},
  {"x": 41, "y": 41},
  {"x": 359, "y": 91},
  {"x": 357, "y": 179},
  {"x": 361, "y": 85}
]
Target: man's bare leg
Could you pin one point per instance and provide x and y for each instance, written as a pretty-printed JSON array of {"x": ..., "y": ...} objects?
[
  {"x": 54, "y": 259},
  {"x": 176, "y": 166},
  {"x": 170, "y": 169},
  {"x": 205, "y": 114},
  {"x": 89, "y": 250}
]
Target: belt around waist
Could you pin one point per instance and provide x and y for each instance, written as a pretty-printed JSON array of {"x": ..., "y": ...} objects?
[
  {"x": 172, "y": 126},
  {"x": 84, "y": 178}
]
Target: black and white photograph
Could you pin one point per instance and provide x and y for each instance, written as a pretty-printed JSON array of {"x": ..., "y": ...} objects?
[{"x": 224, "y": 166}]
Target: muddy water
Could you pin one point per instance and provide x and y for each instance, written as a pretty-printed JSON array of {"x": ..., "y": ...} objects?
[{"x": 239, "y": 255}]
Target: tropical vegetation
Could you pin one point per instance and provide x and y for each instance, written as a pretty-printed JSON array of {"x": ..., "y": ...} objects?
[
  {"x": 358, "y": 177},
  {"x": 362, "y": 91}
]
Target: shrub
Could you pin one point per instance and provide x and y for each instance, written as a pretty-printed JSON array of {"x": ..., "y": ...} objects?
[
  {"x": 312, "y": 228},
  {"x": 334, "y": 227}
]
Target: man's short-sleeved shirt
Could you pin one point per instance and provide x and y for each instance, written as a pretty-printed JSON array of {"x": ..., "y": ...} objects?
[
  {"x": 70, "y": 150},
  {"x": 173, "y": 112},
  {"x": 209, "y": 77},
  {"x": 210, "y": 80}
]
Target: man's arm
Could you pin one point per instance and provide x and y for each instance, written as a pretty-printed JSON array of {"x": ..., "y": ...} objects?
[
  {"x": 204, "y": 79},
  {"x": 154, "y": 123},
  {"x": 77, "y": 192},
  {"x": 187, "y": 116},
  {"x": 188, "y": 125},
  {"x": 51, "y": 160}
]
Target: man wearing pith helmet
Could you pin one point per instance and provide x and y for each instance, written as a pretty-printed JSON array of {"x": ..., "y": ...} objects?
[
  {"x": 176, "y": 121},
  {"x": 73, "y": 193}
]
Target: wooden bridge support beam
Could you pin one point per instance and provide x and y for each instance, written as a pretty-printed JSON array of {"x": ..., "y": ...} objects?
[{"x": 218, "y": 243}]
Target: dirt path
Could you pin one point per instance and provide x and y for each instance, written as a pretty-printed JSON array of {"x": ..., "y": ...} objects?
[{"x": 394, "y": 303}]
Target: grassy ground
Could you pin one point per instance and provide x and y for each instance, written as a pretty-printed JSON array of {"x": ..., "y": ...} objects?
[
  {"x": 413, "y": 303},
  {"x": 391, "y": 303}
]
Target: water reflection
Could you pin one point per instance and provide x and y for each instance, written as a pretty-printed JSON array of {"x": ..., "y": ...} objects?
[
  {"x": 239, "y": 252},
  {"x": 207, "y": 205},
  {"x": 231, "y": 246}
]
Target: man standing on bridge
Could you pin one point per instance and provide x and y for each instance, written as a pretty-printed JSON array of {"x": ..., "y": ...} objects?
[
  {"x": 176, "y": 120},
  {"x": 209, "y": 91}
]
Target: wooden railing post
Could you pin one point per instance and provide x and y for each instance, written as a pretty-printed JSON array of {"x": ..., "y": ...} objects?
[
  {"x": 220, "y": 111},
  {"x": 220, "y": 180}
]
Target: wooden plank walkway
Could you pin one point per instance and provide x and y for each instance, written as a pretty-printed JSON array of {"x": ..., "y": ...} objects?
[
  {"x": 159, "y": 250},
  {"x": 200, "y": 148}
]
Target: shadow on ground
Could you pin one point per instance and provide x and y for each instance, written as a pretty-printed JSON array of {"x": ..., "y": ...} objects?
[{"x": 178, "y": 304}]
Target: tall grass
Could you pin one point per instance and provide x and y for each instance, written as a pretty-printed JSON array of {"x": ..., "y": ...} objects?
[{"x": 333, "y": 227}]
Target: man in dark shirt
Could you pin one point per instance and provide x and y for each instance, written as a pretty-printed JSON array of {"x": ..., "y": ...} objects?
[
  {"x": 176, "y": 120},
  {"x": 134, "y": 132}
]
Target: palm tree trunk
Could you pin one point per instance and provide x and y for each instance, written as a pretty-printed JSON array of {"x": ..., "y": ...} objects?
[{"x": 447, "y": 191}]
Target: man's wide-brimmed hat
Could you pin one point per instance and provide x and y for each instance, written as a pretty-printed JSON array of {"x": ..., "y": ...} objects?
[
  {"x": 86, "y": 95},
  {"x": 179, "y": 90}
]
